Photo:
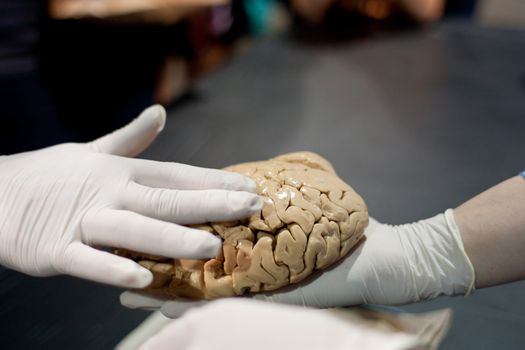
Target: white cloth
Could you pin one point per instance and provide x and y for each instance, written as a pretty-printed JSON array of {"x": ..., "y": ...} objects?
[
  {"x": 239, "y": 324},
  {"x": 57, "y": 202}
]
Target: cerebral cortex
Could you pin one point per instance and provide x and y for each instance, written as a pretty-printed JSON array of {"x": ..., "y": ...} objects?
[{"x": 310, "y": 219}]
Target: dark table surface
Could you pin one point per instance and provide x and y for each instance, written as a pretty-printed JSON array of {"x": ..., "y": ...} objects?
[{"x": 416, "y": 121}]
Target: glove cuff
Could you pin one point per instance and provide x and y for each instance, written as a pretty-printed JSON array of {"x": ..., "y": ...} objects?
[
  {"x": 454, "y": 230},
  {"x": 436, "y": 257}
]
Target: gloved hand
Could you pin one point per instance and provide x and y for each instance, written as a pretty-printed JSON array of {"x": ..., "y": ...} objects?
[
  {"x": 255, "y": 325},
  {"x": 57, "y": 202},
  {"x": 394, "y": 265}
]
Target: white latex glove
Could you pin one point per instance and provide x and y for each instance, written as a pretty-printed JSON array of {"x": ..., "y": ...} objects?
[
  {"x": 394, "y": 265},
  {"x": 246, "y": 324},
  {"x": 57, "y": 202}
]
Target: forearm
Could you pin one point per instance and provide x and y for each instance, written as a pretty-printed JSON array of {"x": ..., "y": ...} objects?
[{"x": 492, "y": 227}]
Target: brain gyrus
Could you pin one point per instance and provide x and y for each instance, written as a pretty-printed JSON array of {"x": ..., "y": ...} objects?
[{"x": 310, "y": 220}]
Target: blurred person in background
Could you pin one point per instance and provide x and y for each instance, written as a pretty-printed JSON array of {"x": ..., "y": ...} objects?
[
  {"x": 72, "y": 80},
  {"x": 422, "y": 11},
  {"x": 326, "y": 20},
  {"x": 69, "y": 79},
  {"x": 28, "y": 117}
]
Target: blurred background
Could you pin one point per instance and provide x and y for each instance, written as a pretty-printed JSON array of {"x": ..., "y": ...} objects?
[{"x": 419, "y": 104}]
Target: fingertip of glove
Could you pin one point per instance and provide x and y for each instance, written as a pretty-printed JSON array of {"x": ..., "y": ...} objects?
[
  {"x": 238, "y": 182},
  {"x": 158, "y": 113},
  {"x": 135, "y": 300},
  {"x": 124, "y": 299},
  {"x": 199, "y": 244},
  {"x": 244, "y": 202},
  {"x": 139, "y": 278},
  {"x": 249, "y": 185},
  {"x": 256, "y": 204},
  {"x": 211, "y": 247}
]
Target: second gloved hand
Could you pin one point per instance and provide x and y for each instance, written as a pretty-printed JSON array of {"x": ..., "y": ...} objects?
[
  {"x": 394, "y": 265},
  {"x": 59, "y": 202}
]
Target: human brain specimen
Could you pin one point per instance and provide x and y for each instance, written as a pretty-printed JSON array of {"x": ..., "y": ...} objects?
[{"x": 310, "y": 220}]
